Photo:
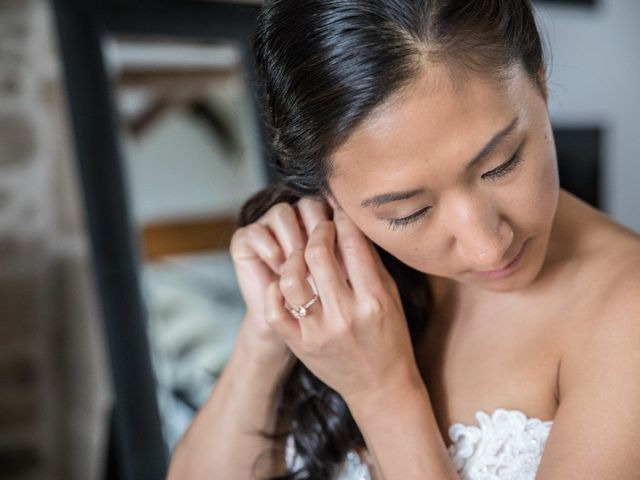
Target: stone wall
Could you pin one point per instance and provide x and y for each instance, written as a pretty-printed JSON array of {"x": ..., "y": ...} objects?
[{"x": 54, "y": 383}]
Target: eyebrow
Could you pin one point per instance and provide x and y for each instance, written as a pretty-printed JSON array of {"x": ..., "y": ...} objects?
[{"x": 384, "y": 198}]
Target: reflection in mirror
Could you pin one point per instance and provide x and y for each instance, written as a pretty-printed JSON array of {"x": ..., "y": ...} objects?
[{"x": 192, "y": 156}]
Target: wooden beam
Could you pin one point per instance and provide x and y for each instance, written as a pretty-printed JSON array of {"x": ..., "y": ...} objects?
[{"x": 160, "y": 239}]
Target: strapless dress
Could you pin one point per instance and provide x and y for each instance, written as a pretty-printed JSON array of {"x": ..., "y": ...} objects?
[{"x": 505, "y": 445}]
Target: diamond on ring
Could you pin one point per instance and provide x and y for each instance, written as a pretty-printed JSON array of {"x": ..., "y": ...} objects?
[{"x": 301, "y": 310}]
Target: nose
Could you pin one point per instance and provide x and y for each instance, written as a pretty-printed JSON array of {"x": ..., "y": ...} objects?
[{"x": 482, "y": 236}]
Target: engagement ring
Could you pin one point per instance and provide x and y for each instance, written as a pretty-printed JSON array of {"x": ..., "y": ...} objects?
[{"x": 301, "y": 310}]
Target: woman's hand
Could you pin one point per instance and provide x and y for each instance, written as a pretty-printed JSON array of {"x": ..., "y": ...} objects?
[
  {"x": 355, "y": 338},
  {"x": 259, "y": 251}
]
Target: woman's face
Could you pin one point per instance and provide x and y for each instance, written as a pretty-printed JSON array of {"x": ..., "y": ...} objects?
[{"x": 453, "y": 181}]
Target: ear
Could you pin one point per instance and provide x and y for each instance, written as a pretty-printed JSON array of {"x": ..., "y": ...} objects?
[
  {"x": 331, "y": 199},
  {"x": 541, "y": 79}
]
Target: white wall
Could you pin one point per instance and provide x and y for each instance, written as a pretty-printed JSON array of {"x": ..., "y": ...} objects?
[
  {"x": 595, "y": 79},
  {"x": 179, "y": 170}
]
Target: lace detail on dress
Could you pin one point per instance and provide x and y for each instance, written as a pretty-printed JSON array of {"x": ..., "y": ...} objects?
[{"x": 507, "y": 445}]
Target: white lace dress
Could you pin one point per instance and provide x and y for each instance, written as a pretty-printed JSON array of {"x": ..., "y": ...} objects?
[{"x": 506, "y": 445}]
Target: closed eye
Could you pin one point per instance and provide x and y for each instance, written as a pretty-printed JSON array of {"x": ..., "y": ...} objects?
[
  {"x": 502, "y": 170},
  {"x": 505, "y": 168},
  {"x": 396, "y": 223}
]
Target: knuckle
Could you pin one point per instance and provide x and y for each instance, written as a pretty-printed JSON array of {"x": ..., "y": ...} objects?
[
  {"x": 272, "y": 253},
  {"x": 315, "y": 252},
  {"x": 288, "y": 283},
  {"x": 237, "y": 238},
  {"x": 272, "y": 318},
  {"x": 282, "y": 211},
  {"x": 253, "y": 231},
  {"x": 345, "y": 328},
  {"x": 351, "y": 243},
  {"x": 373, "y": 305}
]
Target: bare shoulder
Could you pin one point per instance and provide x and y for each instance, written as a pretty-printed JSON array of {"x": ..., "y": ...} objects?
[
  {"x": 594, "y": 252},
  {"x": 606, "y": 300},
  {"x": 615, "y": 267},
  {"x": 596, "y": 427}
]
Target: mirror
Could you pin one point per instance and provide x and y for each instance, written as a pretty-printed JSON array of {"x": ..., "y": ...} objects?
[{"x": 191, "y": 155}]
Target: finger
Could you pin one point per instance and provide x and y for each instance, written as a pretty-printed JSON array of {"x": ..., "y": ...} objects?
[
  {"x": 293, "y": 282},
  {"x": 322, "y": 263},
  {"x": 362, "y": 263},
  {"x": 312, "y": 212},
  {"x": 256, "y": 243},
  {"x": 279, "y": 318},
  {"x": 283, "y": 222}
]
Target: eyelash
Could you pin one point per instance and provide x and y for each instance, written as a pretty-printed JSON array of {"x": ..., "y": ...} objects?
[
  {"x": 505, "y": 168},
  {"x": 501, "y": 171}
]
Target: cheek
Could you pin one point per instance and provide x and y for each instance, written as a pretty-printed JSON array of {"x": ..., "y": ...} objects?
[
  {"x": 543, "y": 190},
  {"x": 419, "y": 253},
  {"x": 429, "y": 260},
  {"x": 531, "y": 201},
  {"x": 545, "y": 182},
  {"x": 402, "y": 246}
]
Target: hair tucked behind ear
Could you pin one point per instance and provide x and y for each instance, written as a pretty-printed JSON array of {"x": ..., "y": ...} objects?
[{"x": 326, "y": 66}]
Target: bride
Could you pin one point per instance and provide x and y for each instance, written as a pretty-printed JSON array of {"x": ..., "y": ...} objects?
[{"x": 423, "y": 300}]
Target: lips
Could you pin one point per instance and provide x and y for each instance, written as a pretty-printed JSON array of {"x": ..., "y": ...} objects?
[{"x": 508, "y": 264}]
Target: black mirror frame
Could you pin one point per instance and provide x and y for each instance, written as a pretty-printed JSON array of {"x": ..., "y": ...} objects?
[{"x": 137, "y": 447}]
